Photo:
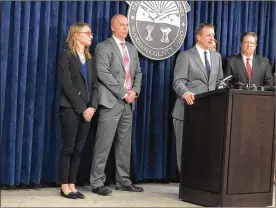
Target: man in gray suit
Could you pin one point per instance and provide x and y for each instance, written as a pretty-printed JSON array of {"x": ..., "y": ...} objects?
[
  {"x": 119, "y": 83},
  {"x": 197, "y": 70}
]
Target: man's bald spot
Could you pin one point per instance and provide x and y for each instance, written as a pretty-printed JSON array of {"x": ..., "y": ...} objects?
[{"x": 116, "y": 17}]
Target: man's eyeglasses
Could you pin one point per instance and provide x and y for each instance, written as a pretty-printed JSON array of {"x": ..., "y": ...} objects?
[
  {"x": 248, "y": 43},
  {"x": 88, "y": 33}
]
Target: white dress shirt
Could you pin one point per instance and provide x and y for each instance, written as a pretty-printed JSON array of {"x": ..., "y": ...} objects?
[
  {"x": 202, "y": 55},
  {"x": 250, "y": 61},
  {"x": 118, "y": 42}
]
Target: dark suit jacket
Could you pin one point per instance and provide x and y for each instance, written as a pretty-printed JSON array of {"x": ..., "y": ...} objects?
[
  {"x": 72, "y": 83},
  {"x": 261, "y": 70}
]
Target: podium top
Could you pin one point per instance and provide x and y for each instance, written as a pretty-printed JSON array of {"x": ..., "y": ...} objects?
[{"x": 234, "y": 91}]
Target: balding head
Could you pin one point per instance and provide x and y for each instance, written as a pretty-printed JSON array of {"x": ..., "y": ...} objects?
[
  {"x": 116, "y": 17},
  {"x": 119, "y": 26}
]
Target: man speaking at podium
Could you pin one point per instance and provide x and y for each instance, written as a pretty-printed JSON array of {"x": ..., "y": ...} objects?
[
  {"x": 197, "y": 70},
  {"x": 247, "y": 68}
]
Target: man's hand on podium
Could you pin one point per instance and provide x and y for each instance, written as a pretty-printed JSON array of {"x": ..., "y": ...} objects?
[{"x": 189, "y": 97}]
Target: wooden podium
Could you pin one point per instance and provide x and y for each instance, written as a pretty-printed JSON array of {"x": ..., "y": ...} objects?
[{"x": 228, "y": 149}]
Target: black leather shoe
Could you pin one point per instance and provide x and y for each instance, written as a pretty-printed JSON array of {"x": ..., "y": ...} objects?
[
  {"x": 70, "y": 195},
  {"x": 79, "y": 195},
  {"x": 102, "y": 190},
  {"x": 130, "y": 188}
]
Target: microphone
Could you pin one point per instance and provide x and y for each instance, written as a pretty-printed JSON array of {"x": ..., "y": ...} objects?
[
  {"x": 227, "y": 78},
  {"x": 263, "y": 88},
  {"x": 241, "y": 85},
  {"x": 223, "y": 83}
]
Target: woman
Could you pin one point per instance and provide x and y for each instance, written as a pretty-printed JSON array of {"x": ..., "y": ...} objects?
[{"x": 78, "y": 103}]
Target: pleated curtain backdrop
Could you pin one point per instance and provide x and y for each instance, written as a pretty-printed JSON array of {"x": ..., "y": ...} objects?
[{"x": 32, "y": 36}]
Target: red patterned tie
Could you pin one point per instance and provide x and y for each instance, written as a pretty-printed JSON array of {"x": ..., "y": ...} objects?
[
  {"x": 248, "y": 68},
  {"x": 128, "y": 83}
]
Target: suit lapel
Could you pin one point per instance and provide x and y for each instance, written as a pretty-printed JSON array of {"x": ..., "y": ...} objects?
[
  {"x": 77, "y": 63},
  {"x": 197, "y": 58},
  {"x": 241, "y": 65},
  {"x": 255, "y": 67},
  {"x": 131, "y": 56},
  {"x": 117, "y": 50},
  {"x": 89, "y": 72},
  {"x": 213, "y": 66}
]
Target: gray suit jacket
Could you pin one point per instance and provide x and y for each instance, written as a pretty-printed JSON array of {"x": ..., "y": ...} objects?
[
  {"x": 111, "y": 72},
  {"x": 190, "y": 76}
]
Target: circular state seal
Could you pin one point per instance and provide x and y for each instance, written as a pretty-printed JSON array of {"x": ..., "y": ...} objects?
[{"x": 157, "y": 28}]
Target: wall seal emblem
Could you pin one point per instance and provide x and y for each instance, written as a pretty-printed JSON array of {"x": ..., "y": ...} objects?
[{"x": 157, "y": 28}]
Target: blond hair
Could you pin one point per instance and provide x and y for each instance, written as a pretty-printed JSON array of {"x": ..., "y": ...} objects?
[{"x": 72, "y": 41}]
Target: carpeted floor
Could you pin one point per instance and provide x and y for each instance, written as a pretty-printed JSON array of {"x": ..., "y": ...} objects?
[{"x": 155, "y": 195}]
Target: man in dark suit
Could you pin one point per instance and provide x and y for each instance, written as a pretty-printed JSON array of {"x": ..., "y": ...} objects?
[
  {"x": 197, "y": 70},
  {"x": 119, "y": 76},
  {"x": 246, "y": 67}
]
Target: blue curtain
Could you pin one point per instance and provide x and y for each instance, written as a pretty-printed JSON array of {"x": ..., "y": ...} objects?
[{"x": 33, "y": 34}]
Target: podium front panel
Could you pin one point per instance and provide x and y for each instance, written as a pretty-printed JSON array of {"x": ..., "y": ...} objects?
[
  {"x": 251, "y": 144},
  {"x": 202, "y": 150}
]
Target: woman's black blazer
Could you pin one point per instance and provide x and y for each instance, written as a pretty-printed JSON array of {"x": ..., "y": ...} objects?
[{"x": 73, "y": 91}]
